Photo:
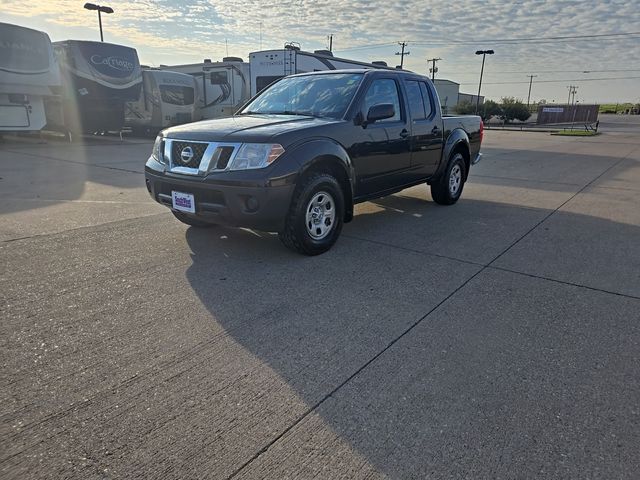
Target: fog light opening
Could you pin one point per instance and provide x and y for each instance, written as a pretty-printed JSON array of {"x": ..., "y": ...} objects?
[{"x": 251, "y": 204}]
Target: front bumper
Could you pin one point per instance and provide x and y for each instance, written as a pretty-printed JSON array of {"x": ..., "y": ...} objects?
[{"x": 225, "y": 199}]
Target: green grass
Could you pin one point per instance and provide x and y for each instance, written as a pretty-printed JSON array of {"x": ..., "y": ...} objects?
[
  {"x": 575, "y": 133},
  {"x": 611, "y": 107}
]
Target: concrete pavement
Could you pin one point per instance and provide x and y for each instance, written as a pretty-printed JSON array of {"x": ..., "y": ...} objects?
[{"x": 494, "y": 338}]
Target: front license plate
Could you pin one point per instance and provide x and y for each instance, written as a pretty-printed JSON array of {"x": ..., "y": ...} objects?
[{"x": 183, "y": 202}]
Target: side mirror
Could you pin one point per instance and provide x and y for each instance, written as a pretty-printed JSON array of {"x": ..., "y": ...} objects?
[{"x": 380, "y": 112}]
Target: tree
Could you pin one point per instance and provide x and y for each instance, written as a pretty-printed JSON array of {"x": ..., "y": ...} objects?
[
  {"x": 489, "y": 109},
  {"x": 513, "y": 109},
  {"x": 486, "y": 110},
  {"x": 465, "y": 108}
]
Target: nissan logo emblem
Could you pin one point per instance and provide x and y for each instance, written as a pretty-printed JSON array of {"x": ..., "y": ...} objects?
[{"x": 186, "y": 154}]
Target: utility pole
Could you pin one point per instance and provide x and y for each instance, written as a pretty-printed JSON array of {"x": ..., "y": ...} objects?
[
  {"x": 330, "y": 37},
  {"x": 530, "y": 83},
  {"x": 433, "y": 68},
  {"x": 572, "y": 92},
  {"x": 402, "y": 53}
]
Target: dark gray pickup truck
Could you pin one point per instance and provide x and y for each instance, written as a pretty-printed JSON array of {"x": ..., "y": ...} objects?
[{"x": 298, "y": 156}]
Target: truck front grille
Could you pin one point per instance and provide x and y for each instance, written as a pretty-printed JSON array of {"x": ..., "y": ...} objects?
[{"x": 187, "y": 154}]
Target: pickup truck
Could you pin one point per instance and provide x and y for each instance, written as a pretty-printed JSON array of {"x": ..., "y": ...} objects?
[{"x": 298, "y": 156}]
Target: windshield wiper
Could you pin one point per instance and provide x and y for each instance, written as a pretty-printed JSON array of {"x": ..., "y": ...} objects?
[{"x": 290, "y": 112}]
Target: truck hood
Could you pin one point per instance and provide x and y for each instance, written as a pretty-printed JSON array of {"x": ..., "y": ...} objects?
[{"x": 244, "y": 128}]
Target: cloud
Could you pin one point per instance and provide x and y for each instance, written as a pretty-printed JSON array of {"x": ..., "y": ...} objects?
[{"x": 167, "y": 31}]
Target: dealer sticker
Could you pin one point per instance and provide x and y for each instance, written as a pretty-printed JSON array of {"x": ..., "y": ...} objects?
[{"x": 185, "y": 202}]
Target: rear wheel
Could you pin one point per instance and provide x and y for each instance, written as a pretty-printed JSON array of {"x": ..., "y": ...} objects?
[
  {"x": 314, "y": 220},
  {"x": 448, "y": 188},
  {"x": 193, "y": 222}
]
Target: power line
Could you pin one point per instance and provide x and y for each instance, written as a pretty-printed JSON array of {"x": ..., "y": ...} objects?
[
  {"x": 559, "y": 81},
  {"x": 502, "y": 72},
  {"x": 529, "y": 40}
]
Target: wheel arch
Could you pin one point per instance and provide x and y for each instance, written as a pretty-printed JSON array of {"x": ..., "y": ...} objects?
[
  {"x": 330, "y": 157},
  {"x": 457, "y": 142}
]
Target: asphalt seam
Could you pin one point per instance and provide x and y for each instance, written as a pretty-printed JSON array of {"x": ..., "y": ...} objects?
[
  {"x": 406, "y": 249},
  {"x": 563, "y": 282},
  {"x": 84, "y": 227},
  {"x": 75, "y": 162},
  {"x": 524, "y": 180}
]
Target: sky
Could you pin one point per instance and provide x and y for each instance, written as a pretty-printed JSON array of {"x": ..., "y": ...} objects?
[{"x": 176, "y": 32}]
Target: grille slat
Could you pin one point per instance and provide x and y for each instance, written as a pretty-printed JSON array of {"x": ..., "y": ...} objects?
[{"x": 224, "y": 157}]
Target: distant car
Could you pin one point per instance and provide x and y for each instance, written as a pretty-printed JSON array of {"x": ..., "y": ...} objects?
[{"x": 301, "y": 153}]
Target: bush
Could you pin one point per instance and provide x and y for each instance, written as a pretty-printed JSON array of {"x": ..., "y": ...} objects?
[
  {"x": 465, "y": 108},
  {"x": 489, "y": 109},
  {"x": 486, "y": 110},
  {"x": 513, "y": 109}
]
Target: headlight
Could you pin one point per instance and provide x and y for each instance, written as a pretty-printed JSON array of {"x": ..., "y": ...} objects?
[
  {"x": 158, "y": 150},
  {"x": 256, "y": 155}
]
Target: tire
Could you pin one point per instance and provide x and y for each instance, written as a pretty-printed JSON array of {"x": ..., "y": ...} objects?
[
  {"x": 193, "y": 222},
  {"x": 315, "y": 217},
  {"x": 448, "y": 188}
]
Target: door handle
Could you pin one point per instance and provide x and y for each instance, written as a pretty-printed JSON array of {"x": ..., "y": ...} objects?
[{"x": 404, "y": 133}]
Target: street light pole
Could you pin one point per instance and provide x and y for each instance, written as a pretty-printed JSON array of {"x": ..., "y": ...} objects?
[
  {"x": 484, "y": 53},
  {"x": 100, "y": 23},
  {"x": 101, "y": 9}
]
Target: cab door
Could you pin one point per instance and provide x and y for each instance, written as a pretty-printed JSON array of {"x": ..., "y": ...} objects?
[
  {"x": 381, "y": 153},
  {"x": 426, "y": 129}
]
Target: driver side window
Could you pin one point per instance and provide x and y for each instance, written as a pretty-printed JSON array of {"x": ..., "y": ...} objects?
[{"x": 384, "y": 90}]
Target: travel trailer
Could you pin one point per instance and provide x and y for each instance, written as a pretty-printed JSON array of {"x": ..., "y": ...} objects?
[
  {"x": 222, "y": 87},
  {"x": 268, "y": 66},
  {"x": 167, "y": 98},
  {"x": 98, "y": 79},
  {"x": 29, "y": 75}
]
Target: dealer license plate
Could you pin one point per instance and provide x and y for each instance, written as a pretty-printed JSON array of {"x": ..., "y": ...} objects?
[{"x": 185, "y": 202}]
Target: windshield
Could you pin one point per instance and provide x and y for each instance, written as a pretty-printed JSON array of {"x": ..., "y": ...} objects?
[{"x": 325, "y": 95}]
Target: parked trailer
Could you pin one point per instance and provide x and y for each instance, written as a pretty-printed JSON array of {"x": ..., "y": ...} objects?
[
  {"x": 222, "y": 87},
  {"x": 267, "y": 66},
  {"x": 166, "y": 99},
  {"x": 98, "y": 79},
  {"x": 29, "y": 75}
]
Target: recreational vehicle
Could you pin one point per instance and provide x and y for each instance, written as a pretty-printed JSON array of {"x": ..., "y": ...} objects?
[
  {"x": 166, "y": 99},
  {"x": 29, "y": 75},
  {"x": 222, "y": 87},
  {"x": 98, "y": 79},
  {"x": 268, "y": 66}
]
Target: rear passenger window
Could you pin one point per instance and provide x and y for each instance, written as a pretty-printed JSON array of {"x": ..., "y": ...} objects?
[
  {"x": 416, "y": 102},
  {"x": 428, "y": 103}
]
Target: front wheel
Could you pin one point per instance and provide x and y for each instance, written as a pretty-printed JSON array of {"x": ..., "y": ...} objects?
[
  {"x": 448, "y": 188},
  {"x": 314, "y": 220}
]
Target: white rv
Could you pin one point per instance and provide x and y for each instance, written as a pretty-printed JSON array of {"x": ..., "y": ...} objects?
[
  {"x": 167, "y": 98},
  {"x": 29, "y": 75},
  {"x": 98, "y": 79},
  {"x": 268, "y": 66},
  {"x": 222, "y": 87}
]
